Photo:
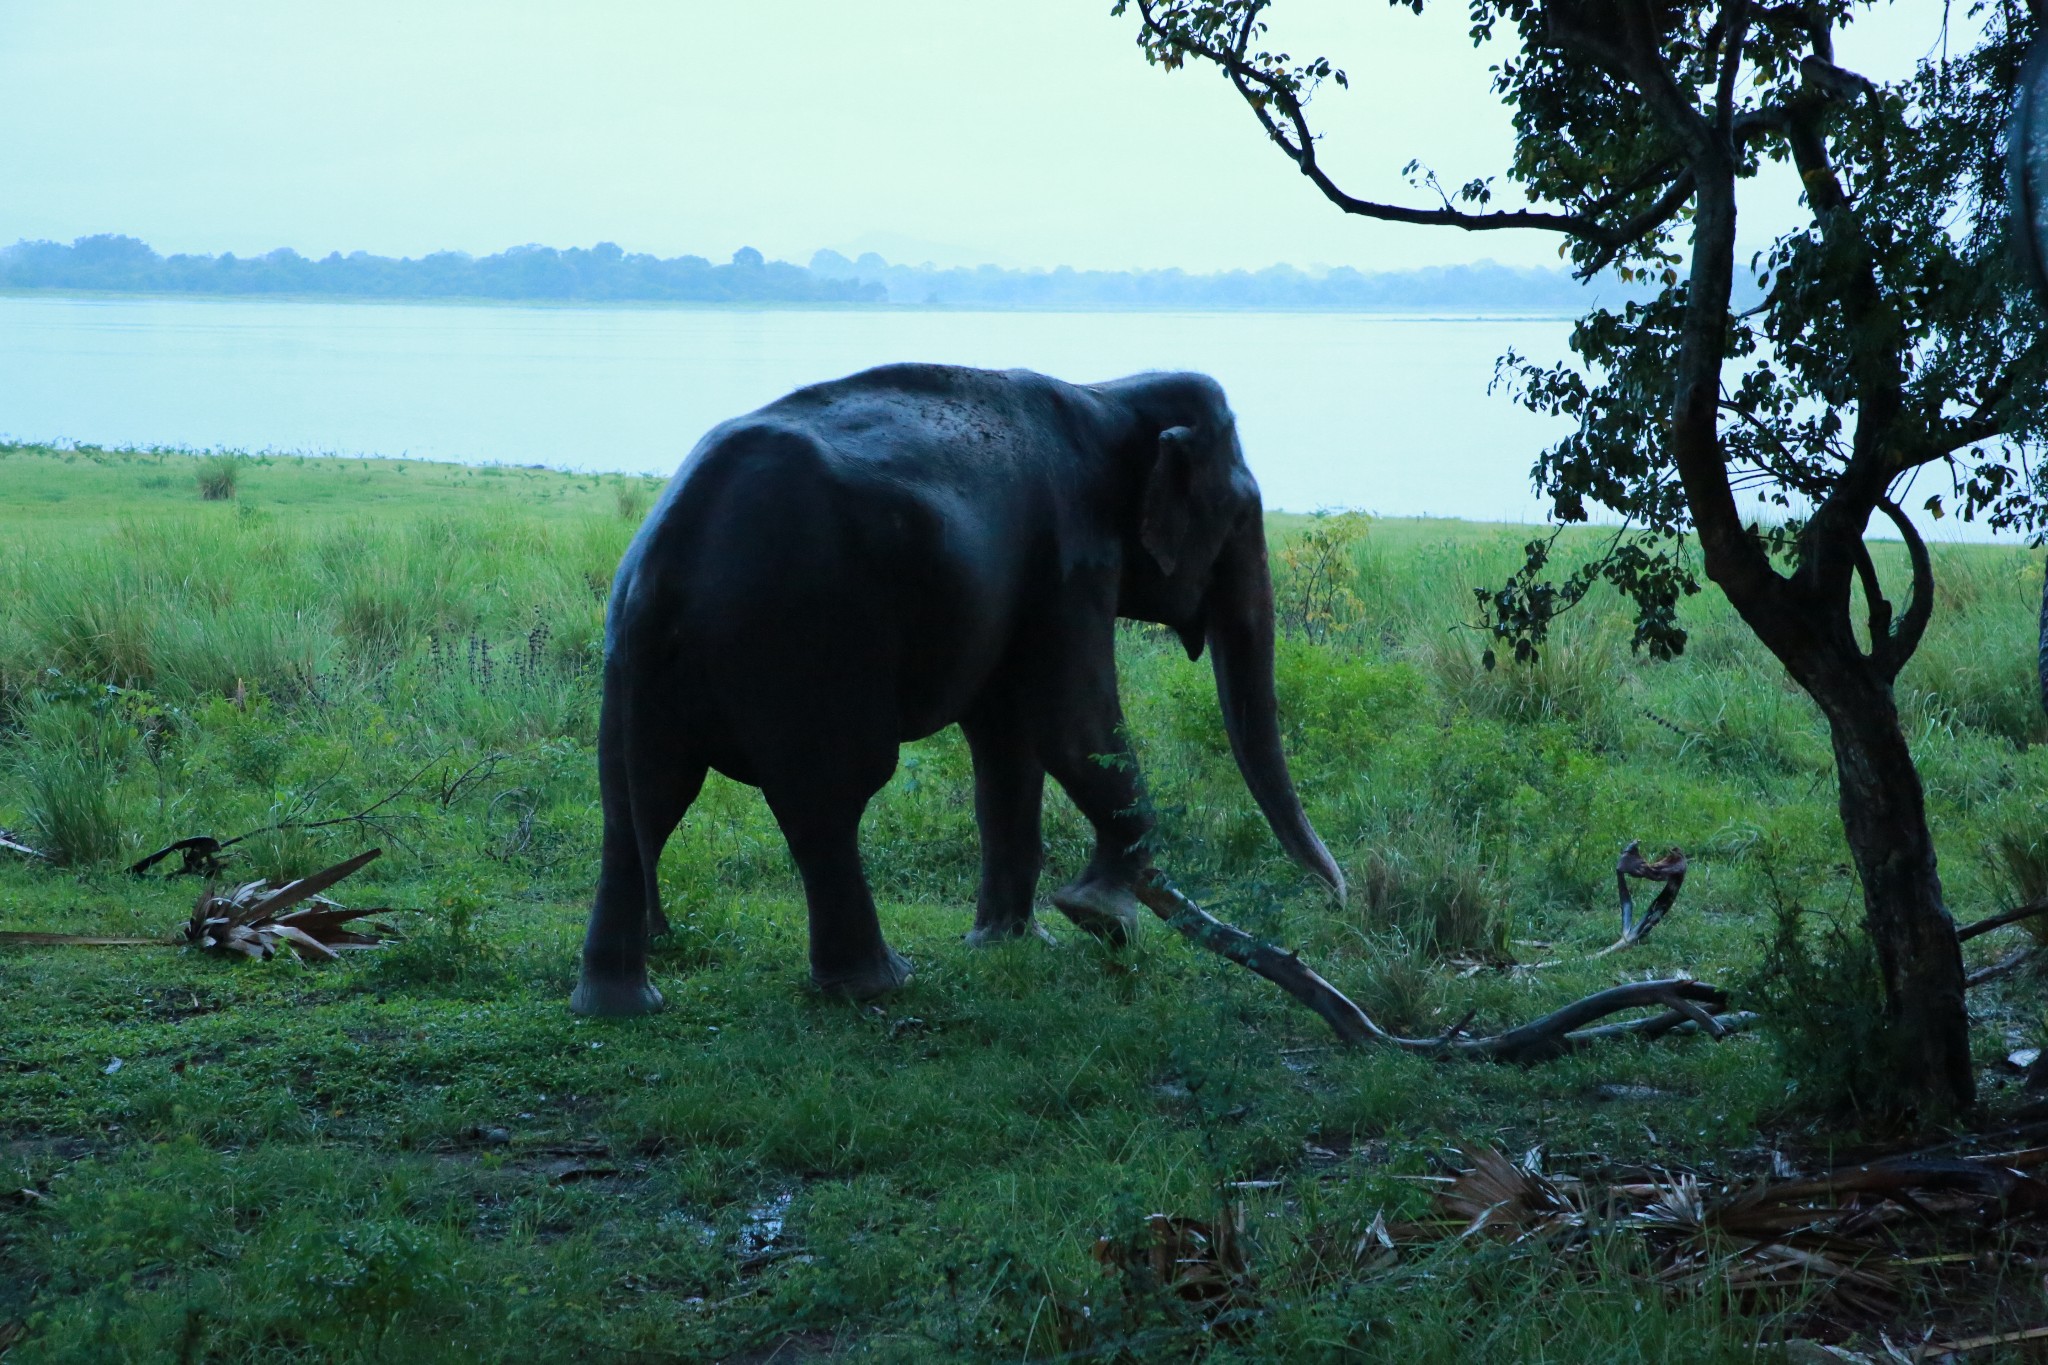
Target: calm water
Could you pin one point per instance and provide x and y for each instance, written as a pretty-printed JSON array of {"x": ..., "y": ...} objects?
[{"x": 1384, "y": 413}]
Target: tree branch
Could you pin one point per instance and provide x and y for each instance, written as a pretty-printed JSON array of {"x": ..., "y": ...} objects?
[
  {"x": 1735, "y": 19},
  {"x": 1555, "y": 1034},
  {"x": 1879, "y": 608},
  {"x": 1904, "y": 638},
  {"x": 1265, "y": 90}
]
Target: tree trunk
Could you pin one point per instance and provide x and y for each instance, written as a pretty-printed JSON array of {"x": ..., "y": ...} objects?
[
  {"x": 1884, "y": 815},
  {"x": 2041, "y": 658}
]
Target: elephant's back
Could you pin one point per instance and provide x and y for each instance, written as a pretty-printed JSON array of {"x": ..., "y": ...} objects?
[{"x": 834, "y": 543}]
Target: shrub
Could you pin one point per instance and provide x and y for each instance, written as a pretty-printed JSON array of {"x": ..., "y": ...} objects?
[
  {"x": 632, "y": 497},
  {"x": 1575, "y": 678},
  {"x": 1439, "y": 893},
  {"x": 217, "y": 477},
  {"x": 1822, "y": 1002},
  {"x": 1315, "y": 576},
  {"x": 2018, "y": 854}
]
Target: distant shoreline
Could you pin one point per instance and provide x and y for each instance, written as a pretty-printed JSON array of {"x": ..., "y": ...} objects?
[
  {"x": 607, "y": 276},
  {"x": 1416, "y": 313}
]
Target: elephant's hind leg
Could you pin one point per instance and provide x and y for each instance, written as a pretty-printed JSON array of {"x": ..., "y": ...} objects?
[
  {"x": 1009, "y": 794},
  {"x": 1008, "y": 801},
  {"x": 644, "y": 798},
  {"x": 820, "y": 817}
]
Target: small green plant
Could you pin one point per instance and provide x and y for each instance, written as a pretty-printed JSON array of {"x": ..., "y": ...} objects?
[
  {"x": 1395, "y": 984},
  {"x": 1315, "y": 576},
  {"x": 217, "y": 476},
  {"x": 449, "y": 948}
]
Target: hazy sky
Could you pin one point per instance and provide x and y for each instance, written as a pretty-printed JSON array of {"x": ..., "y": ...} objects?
[{"x": 1027, "y": 132}]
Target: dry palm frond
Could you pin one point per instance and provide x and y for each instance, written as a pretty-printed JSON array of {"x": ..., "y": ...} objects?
[
  {"x": 255, "y": 919},
  {"x": 1678, "y": 1207},
  {"x": 1496, "y": 1194},
  {"x": 1201, "y": 1264}
]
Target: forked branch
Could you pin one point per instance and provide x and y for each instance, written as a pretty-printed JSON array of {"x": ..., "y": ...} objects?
[
  {"x": 1669, "y": 869},
  {"x": 1686, "y": 1005}
]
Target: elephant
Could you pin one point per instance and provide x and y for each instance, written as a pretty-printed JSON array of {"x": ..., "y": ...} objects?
[{"x": 866, "y": 561}]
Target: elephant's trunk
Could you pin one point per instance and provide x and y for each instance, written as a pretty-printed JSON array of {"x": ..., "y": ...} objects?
[{"x": 1240, "y": 630}]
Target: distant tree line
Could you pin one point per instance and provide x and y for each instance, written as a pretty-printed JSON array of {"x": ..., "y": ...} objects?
[
  {"x": 108, "y": 262},
  {"x": 123, "y": 264},
  {"x": 1487, "y": 286}
]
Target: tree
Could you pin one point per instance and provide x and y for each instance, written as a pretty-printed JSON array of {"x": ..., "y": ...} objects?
[{"x": 1894, "y": 335}]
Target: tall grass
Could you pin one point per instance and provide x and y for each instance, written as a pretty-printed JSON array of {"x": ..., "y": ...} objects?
[{"x": 291, "y": 1159}]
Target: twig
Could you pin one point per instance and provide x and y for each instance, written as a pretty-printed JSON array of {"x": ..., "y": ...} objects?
[
  {"x": 1552, "y": 1035},
  {"x": 1952, "y": 1348},
  {"x": 202, "y": 852},
  {"x": 1999, "y": 921}
]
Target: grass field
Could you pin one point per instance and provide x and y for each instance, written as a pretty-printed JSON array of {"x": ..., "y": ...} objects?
[{"x": 419, "y": 1154}]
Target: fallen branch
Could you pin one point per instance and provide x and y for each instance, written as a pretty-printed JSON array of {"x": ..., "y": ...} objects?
[
  {"x": 21, "y": 939},
  {"x": 1688, "y": 1004},
  {"x": 1999, "y": 921},
  {"x": 1669, "y": 869},
  {"x": 10, "y": 844},
  {"x": 2005, "y": 966}
]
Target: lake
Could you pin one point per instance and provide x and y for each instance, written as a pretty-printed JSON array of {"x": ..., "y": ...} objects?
[{"x": 1388, "y": 413}]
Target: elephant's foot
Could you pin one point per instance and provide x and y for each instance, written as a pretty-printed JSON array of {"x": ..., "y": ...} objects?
[
  {"x": 1102, "y": 908},
  {"x": 614, "y": 998},
  {"x": 864, "y": 981},
  {"x": 988, "y": 935}
]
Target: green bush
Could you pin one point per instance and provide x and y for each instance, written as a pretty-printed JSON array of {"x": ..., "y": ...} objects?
[
  {"x": 1822, "y": 1001},
  {"x": 1437, "y": 889},
  {"x": 218, "y": 475}
]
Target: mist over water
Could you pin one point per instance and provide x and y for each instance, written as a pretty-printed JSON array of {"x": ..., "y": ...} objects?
[{"x": 1384, "y": 412}]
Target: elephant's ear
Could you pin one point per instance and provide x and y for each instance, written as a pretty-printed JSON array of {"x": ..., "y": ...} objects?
[{"x": 1168, "y": 507}]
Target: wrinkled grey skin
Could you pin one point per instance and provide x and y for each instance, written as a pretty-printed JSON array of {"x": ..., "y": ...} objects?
[{"x": 867, "y": 561}]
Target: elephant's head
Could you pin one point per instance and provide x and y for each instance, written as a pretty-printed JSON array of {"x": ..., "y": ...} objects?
[{"x": 1199, "y": 566}]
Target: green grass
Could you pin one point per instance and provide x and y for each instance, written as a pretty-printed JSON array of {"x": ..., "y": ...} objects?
[{"x": 298, "y": 1162}]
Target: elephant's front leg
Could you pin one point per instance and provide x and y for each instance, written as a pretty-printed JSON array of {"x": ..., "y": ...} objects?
[
  {"x": 1009, "y": 792},
  {"x": 1095, "y": 766}
]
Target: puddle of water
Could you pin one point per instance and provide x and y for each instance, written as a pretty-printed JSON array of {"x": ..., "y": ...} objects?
[{"x": 762, "y": 1232}]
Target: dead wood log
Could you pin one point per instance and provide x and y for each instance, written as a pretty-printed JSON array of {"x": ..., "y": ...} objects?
[
  {"x": 2005, "y": 966},
  {"x": 2014, "y": 1191},
  {"x": 1686, "y": 1003},
  {"x": 1669, "y": 869}
]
